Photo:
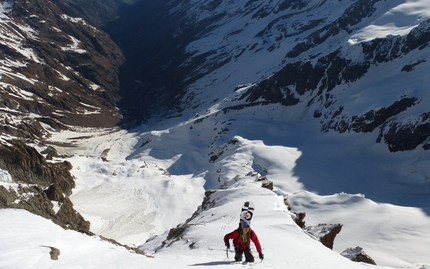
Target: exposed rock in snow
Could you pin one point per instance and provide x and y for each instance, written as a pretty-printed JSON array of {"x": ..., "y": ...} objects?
[{"x": 357, "y": 254}]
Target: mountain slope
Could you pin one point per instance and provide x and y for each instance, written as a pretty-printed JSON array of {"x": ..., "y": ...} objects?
[
  {"x": 326, "y": 100},
  {"x": 57, "y": 72},
  {"x": 57, "y": 67},
  {"x": 136, "y": 187},
  {"x": 319, "y": 57}
]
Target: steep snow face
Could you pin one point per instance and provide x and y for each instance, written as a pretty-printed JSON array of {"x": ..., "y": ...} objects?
[
  {"x": 149, "y": 184},
  {"x": 399, "y": 20},
  {"x": 126, "y": 196}
]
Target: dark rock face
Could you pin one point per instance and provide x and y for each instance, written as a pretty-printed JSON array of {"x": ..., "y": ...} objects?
[
  {"x": 407, "y": 137},
  {"x": 99, "y": 13},
  {"x": 57, "y": 71},
  {"x": 328, "y": 239},
  {"x": 66, "y": 65},
  {"x": 299, "y": 219},
  {"x": 40, "y": 185},
  {"x": 326, "y": 233},
  {"x": 26, "y": 165}
]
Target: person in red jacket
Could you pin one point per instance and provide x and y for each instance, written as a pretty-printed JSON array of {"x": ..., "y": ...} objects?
[{"x": 242, "y": 238}]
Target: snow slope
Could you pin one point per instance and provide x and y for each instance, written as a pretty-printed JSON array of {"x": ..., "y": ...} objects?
[
  {"x": 134, "y": 186},
  {"x": 284, "y": 244},
  {"x": 27, "y": 238}
]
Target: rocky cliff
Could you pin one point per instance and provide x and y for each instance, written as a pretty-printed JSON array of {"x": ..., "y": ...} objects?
[{"x": 57, "y": 72}]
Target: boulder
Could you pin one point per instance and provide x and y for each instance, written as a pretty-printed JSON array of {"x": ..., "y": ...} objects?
[
  {"x": 265, "y": 183},
  {"x": 326, "y": 233},
  {"x": 299, "y": 219},
  {"x": 357, "y": 254}
]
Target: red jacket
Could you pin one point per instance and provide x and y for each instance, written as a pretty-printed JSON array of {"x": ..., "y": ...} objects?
[{"x": 238, "y": 240}]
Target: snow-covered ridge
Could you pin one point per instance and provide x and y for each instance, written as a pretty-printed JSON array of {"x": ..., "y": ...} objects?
[
  {"x": 117, "y": 196},
  {"x": 137, "y": 173}
]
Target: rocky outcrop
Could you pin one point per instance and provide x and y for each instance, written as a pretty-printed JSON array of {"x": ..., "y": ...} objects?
[
  {"x": 326, "y": 233},
  {"x": 54, "y": 253},
  {"x": 357, "y": 254},
  {"x": 265, "y": 183},
  {"x": 26, "y": 165},
  {"x": 38, "y": 186},
  {"x": 299, "y": 219}
]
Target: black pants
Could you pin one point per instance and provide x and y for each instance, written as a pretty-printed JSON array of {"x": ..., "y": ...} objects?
[{"x": 248, "y": 255}]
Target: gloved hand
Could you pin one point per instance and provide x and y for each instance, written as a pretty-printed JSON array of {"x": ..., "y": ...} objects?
[
  {"x": 227, "y": 244},
  {"x": 261, "y": 255}
]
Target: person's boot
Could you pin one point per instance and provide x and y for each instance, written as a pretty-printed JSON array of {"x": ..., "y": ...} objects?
[
  {"x": 248, "y": 255},
  {"x": 238, "y": 257}
]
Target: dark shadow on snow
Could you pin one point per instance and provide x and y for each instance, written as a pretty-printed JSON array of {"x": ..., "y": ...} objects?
[{"x": 215, "y": 263}]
